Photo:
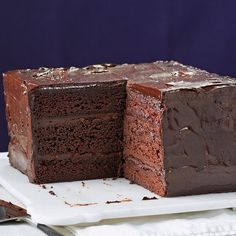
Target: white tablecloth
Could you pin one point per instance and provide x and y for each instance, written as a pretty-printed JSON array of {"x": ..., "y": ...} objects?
[{"x": 215, "y": 223}]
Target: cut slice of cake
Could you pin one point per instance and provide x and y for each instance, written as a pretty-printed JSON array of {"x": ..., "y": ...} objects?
[
  {"x": 180, "y": 130},
  {"x": 65, "y": 124}
]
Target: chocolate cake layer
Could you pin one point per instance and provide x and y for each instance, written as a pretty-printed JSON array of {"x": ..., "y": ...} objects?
[
  {"x": 77, "y": 100},
  {"x": 150, "y": 178},
  {"x": 83, "y": 135},
  {"x": 79, "y": 167}
]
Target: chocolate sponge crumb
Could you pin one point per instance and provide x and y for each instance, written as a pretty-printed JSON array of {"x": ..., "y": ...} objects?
[
  {"x": 109, "y": 202},
  {"x": 124, "y": 200},
  {"x": 43, "y": 186},
  {"x": 52, "y": 193},
  {"x": 149, "y": 198}
]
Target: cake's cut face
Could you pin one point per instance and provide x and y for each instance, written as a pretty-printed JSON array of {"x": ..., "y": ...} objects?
[
  {"x": 180, "y": 130},
  {"x": 65, "y": 124},
  {"x": 143, "y": 146}
]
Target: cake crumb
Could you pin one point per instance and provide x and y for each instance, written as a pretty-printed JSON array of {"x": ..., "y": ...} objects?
[
  {"x": 83, "y": 184},
  {"x": 149, "y": 198},
  {"x": 52, "y": 193},
  {"x": 51, "y": 187},
  {"x": 109, "y": 202},
  {"x": 124, "y": 200},
  {"x": 131, "y": 182},
  {"x": 43, "y": 186}
]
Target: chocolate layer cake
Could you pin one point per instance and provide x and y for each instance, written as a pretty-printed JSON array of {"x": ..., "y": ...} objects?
[
  {"x": 180, "y": 130},
  {"x": 179, "y": 126},
  {"x": 65, "y": 124}
]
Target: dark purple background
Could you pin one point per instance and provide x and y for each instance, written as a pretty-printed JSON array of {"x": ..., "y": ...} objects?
[{"x": 80, "y": 32}]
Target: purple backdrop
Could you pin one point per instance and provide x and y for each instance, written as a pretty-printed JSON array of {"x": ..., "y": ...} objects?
[{"x": 80, "y": 32}]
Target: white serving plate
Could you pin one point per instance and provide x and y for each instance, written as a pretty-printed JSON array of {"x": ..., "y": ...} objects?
[
  {"x": 55, "y": 209},
  {"x": 7, "y": 197}
]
